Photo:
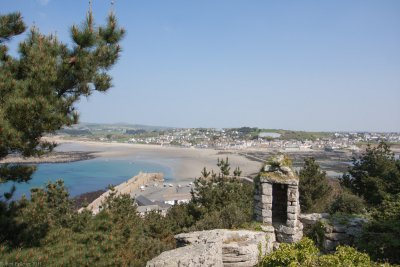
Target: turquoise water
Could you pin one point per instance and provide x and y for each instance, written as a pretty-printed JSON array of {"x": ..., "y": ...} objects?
[{"x": 85, "y": 176}]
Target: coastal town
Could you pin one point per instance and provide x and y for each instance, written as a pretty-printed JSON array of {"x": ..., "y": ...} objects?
[{"x": 229, "y": 138}]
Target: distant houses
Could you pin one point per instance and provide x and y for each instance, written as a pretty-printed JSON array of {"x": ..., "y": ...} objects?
[{"x": 145, "y": 205}]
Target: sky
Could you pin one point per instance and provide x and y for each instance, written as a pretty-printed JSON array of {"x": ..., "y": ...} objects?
[{"x": 299, "y": 65}]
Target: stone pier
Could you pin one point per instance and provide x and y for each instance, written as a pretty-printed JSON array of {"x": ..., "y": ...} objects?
[{"x": 277, "y": 201}]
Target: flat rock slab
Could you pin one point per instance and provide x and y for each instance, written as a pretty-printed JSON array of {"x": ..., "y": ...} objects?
[{"x": 220, "y": 247}]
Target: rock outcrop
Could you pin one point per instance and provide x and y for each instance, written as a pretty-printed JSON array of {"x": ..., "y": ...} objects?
[
  {"x": 332, "y": 231},
  {"x": 277, "y": 208},
  {"x": 221, "y": 247}
]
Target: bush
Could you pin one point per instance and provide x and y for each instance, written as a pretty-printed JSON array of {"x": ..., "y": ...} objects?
[
  {"x": 313, "y": 186},
  {"x": 375, "y": 175},
  {"x": 380, "y": 237},
  {"x": 305, "y": 253},
  {"x": 348, "y": 203},
  {"x": 347, "y": 257}
]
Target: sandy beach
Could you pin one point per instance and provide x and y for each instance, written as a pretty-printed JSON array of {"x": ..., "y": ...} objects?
[{"x": 185, "y": 163}]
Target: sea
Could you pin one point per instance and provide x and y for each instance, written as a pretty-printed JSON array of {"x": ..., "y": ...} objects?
[{"x": 86, "y": 176}]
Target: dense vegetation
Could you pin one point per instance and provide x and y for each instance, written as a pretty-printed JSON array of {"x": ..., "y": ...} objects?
[
  {"x": 369, "y": 188},
  {"x": 375, "y": 177},
  {"x": 39, "y": 88},
  {"x": 305, "y": 253},
  {"x": 313, "y": 187},
  {"x": 47, "y": 229}
]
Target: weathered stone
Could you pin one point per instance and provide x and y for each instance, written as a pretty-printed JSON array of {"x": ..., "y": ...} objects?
[
  {"x": 267, "y": 220},
  {"x": 266, "y": 189},
  {"x": 266, "y": 199},
  {"x": 266, "y": 213},
  {"x": 312, "y": 218},
  {"x": 267, "y": 206},
  {"x": 289, "y": 238},
  {"x": 329, "y": 245},
  {"x": 291, "y": 223},
  {"x": 292, "y": 209},
  {"x": 277, "y": 160},
  {"x": 286, "y": 230},
  {"x": 267, "y": 168},
  {"x": 268, "y": 228},
  {"x": 286, "y": 170},
  {"x": 339, "y": 228},
  {"x": 291, "y": 216},
  {"x": 300, "y": 225},
  {"x": 336, "y": 236},
  {"x": 291, "y": 174},
  {"x": 285, "y": 180},
  {"x": 292, "y": 195},
  {"x": 209, "y": 254},
  {"x": 217, "y": 248}
]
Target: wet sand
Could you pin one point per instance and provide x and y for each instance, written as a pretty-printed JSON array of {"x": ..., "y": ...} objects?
[{"x": 185, "y": 163}]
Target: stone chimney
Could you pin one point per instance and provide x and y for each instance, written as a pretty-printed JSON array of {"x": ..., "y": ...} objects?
[{"x": 277, "y": 200}]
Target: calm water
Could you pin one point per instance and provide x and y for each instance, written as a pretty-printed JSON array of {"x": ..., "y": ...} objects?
[{"x": 85, "y": 176}]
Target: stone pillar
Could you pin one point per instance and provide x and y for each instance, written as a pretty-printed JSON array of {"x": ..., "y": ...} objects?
[
  {"x": 266, "y": 203},
  {"x": 287, "y": 231},
  {"x": 293, "y": 230},
  {"x": 293, "y": 208}
]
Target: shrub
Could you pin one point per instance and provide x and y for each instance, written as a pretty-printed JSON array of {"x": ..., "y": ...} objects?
[
  {"x": 313, "y": 186},
  {"x": 348, "y": 203},
  {"x": 380, "y": 237},
  {"x": 305, "y": 253},
  {"x": 374, "y": 175}
]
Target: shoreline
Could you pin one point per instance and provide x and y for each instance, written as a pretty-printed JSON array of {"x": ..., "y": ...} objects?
[
  {"x": 127, "y": 187},
  {"x": 184, "y": 163},
  {"x": 52, "y": 157}
]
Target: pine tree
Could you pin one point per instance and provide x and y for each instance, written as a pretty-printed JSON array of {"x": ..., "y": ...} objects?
[
  {"x": 224, "y": 166},
  {"x": 39, "y": 88},
  {"x": 375, "y": 175},
  {"x": 313, "y": 185}
]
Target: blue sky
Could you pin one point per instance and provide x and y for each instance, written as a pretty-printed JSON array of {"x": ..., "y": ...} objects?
[{"x": 301, "y": 65}]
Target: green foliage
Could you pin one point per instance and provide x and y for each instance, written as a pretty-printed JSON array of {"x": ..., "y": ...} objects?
[
  {"x": 380, "y": 236},
  {"x": 46, "y": 228},
  {"x": 221, "y": 201},
  {"x": 237, "y": 172},
  {"x": 374, "y": 175},
  {"x": 347, "y": 257},
  {"x": 39, "y": 87},
  {"x": 305, "y": 253},
  {"x": 317, "y": 232},
  {"x": 51, "y": 233},
  {"x": 224, "y": 166},
  {"x": 313, "y": 186},
  {"x": 205, "y": 173},
  {"x": 348, "y": 203}
]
